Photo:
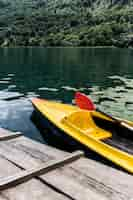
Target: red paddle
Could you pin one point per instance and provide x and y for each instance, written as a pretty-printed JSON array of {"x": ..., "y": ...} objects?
[{"x": 84, "y": 102}]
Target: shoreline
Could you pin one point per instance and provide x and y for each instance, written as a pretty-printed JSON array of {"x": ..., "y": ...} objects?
[{"x": 66, "y": 47}]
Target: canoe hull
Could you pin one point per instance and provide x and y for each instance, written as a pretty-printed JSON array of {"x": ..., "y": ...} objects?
[
  {"x": 78, "y": 125},
  {"x": 51, "y": 132},
  {"x": 54, "y": 136}
]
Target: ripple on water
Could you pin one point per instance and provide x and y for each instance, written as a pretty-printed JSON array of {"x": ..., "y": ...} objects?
[
  {"x": 116, "y": 77},
  {"x": 4, "y": 82},
  {"x": 48, "y": 89},
  {"x": 31, "y": 95},
  {"x": 11, "y": 75},
  {"x": 6, "y": 79},
  {"x": 69, "y": 88},
  {"x": 117, "y": 100},
  {"x": 12, "y": 86}
]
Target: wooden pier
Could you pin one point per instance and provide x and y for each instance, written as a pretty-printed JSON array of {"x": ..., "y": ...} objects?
[{"x": 31, "y": 170}]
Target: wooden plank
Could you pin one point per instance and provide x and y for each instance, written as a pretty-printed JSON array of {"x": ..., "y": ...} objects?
[
  {"x": 7, "y": 168},
  {"x": 5, "y": 131},
  {"x": 33, "y": 189},
  {"x": 113, "y": 183},
  {"x": 85, "y": 176},
  {"x": 29, "y": 153},
  {"x": 72, "y": 189},
  {"x": 9, "y": 136},
  {"x": 45, "y": 168},
  {"x": 102, "y": 181},
  {"x": 34, "y": 147},
  {"x": 69, "y": 185},
  {"x": 6, "y": 135}
]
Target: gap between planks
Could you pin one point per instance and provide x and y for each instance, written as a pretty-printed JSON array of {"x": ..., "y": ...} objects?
[{"x": 26, "y": 175}]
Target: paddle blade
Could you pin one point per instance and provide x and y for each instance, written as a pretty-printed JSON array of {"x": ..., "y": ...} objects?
[{"x": 84, "y": 102}]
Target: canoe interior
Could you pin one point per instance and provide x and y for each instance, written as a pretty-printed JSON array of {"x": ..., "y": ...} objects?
[{"x": 121, "y": 137}]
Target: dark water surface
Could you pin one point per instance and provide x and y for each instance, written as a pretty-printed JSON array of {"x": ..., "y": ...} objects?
[{"x": 56, "y": 73}]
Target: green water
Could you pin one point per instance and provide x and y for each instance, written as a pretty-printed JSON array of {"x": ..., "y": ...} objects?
[
  {"x": 106, "y": 74},
  {"x": 56, "y": 67}
]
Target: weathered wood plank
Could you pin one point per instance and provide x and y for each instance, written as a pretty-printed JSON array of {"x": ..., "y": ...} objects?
[
  {"x": 112, "y": 185},
  {"x": 29, "y": 153},
  {"x": 33, "y": 189},
  {"x": 5, "y": 131},
  {"x": 7, "y": 168},
  {"x": 27, "y": 165},
  {"x": 72, "y": 189},
  {"x": 102, "y": 178},
  {"x": 28, "y": 144},
  {"x": 71, "y": 186},
  {"x": 89, "y": 181},
  {"x": 25, "y": 175},
  {"x": 6, "y": 135}
]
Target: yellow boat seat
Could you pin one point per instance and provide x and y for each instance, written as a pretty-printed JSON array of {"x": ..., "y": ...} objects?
[{"x": 83, "y": 122}]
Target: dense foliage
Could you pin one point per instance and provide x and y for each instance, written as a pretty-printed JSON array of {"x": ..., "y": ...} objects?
[{"x": 75, "y": 24}]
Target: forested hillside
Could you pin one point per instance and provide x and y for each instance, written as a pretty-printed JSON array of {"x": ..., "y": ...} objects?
[{"x": 66, "y": 23}]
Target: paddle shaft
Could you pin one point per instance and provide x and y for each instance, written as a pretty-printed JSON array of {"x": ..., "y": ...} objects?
[{"x": 117, "y": 121}]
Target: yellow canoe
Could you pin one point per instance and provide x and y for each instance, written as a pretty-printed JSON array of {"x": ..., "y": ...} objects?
[{"x": 81, "y": 126}]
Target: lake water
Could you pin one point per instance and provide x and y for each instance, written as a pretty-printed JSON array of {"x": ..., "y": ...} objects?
[{"x": 106, "y": 74}]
